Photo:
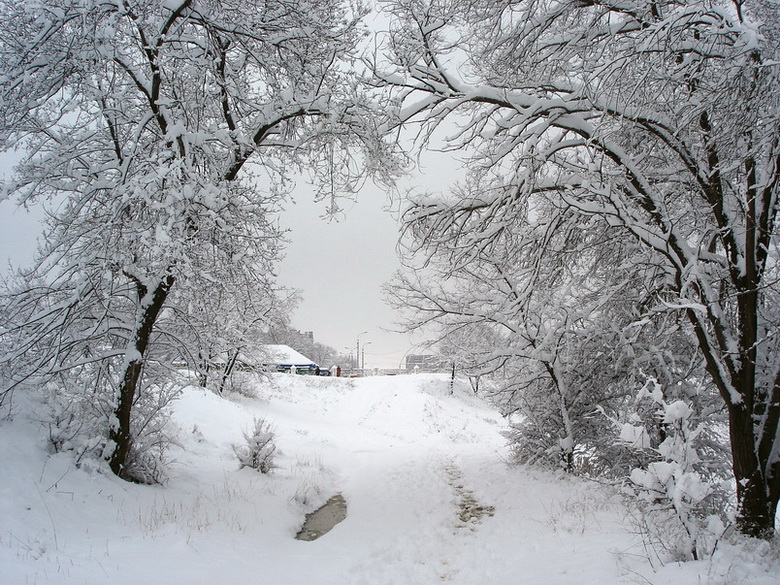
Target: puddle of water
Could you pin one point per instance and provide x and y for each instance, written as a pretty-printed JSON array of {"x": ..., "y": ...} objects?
[{"x": 322, "y": 520}]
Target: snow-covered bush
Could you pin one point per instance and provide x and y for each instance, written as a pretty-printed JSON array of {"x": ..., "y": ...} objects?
[
  {"x": 679, "y": 495},
  {"x": 260, "y": 448},
  {"x": 79, "y": 419},
  {"x": 75, "y": 423},
  {"x": 243, "y": 383},
  {"x": 557, "y": 399}
]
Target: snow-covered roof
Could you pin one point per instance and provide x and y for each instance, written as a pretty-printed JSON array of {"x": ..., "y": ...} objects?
[{"x": 284, "y": 355}]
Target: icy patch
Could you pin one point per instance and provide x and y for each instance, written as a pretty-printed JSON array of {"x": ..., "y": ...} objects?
[{"x": 322, "y": 520}]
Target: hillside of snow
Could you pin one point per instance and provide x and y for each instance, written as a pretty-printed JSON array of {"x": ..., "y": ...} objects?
[{"x": 430, "y": 496}]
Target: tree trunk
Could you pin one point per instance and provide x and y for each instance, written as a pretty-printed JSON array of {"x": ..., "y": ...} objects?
[
  {"x": 755, "y": 506},
  {"x": 205, "y": 368},
  {"x": 566, "y": 443},
  {"x": 229, "y": 366},
  {"x": 120, "y": 434},
  {"x": 752, "y": 429},
  {"x": 452, "y": 379}
]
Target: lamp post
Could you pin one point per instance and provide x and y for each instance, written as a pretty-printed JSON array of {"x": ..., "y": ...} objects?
[
  {"x": 351, "y": 358},
  {"x": 357, "y": 347},
  {"x": 363, "y": 367}
]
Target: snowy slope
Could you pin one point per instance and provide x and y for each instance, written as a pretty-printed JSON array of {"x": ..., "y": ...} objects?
[{"x": 412, "y": 461}]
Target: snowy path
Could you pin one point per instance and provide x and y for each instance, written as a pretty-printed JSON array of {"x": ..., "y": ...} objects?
[
  {"x": 409, "y": 463},
  {"x": 394, "y": 461}
]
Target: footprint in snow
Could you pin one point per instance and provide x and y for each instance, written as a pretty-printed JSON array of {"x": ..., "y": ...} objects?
[{"x": 470, "y": 510}]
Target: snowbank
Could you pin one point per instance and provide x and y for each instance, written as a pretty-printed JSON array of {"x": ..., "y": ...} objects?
[{"x": 407, "y": 455}]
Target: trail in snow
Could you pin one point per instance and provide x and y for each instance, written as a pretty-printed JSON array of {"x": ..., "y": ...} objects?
[
  {"x": 392, "y": 448},
  {"x": 430, "y": 500}
]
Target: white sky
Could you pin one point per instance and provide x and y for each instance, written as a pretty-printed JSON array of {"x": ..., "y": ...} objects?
[
  {"x": 18, "y": 235},
  {"x": 339, "y": 268}
]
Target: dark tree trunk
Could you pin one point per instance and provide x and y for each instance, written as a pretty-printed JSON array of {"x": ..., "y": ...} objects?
[
  {"x": 150, "y": 306},
  {"x": 754, "y": 413},
  {"x": 229, "y": 366},
  {"x": 755, "y": 506},
  {"x": 452, "y": 379},
  {"x": 567, "y": 460},
  {"x": 203, "y": 376},
  {"x": 205, "y": 368}
]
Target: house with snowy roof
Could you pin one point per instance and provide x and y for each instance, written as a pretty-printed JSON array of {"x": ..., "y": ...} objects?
[{"x": 283, "y": 358}]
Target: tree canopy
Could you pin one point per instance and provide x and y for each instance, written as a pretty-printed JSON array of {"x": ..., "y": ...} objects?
[
  {"x": 660, "y": 119},
  {"x": 161, "y": 137}
]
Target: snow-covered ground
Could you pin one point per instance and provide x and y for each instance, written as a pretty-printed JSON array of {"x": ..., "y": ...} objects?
[{"x": 407, "y": 456}]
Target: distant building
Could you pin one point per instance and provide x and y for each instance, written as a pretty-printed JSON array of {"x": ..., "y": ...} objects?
[{"x": 283, "y": 358}]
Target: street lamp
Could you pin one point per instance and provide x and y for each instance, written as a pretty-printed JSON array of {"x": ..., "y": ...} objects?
[
  {"x": 351, "y": 357},
  {"x": 363, "y": 367},
  {"x": 357, "y": 346}
]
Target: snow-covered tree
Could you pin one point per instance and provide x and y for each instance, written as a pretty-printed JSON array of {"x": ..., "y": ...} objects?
[
  {"x": 661, "y": 120},
  {"x": 460, "y": 346},
  {"x": 259, "y": 449},
  {"x": 218, "y": 329},
  {"x": 160, "y": 136},
  {"x": 556, "y": 302}
]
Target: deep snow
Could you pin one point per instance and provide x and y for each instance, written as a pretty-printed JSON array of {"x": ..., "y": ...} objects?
[{"x": 407, "y": 456}]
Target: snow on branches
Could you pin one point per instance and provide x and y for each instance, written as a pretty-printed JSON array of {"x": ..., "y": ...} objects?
[
  {"x": 659, "y": 119},
  {"x": 138, "y": 122},
  {"x": 680, "y": 495}
]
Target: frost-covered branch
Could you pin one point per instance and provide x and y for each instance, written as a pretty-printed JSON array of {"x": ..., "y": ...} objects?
[{"x": 658, "y": 119}]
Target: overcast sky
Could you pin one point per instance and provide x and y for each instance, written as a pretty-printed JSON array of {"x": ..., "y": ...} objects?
[{"x": 339, "y": 268}]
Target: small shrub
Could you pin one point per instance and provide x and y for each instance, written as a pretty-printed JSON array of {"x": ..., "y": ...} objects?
[
  {"x": 260, "y": 449},
  {"x": 676, "y": 490}
]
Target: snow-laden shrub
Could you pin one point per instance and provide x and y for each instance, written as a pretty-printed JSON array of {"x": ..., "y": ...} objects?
[
  {"x": 677, "y": 493},
  {"x": 241, "y": 382},
  {"x": 79, "y": 417},
  {"x": 555, "y": 433},
  {"x": 259, "y": 451},
  {"x": 77, "y": 422}
]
